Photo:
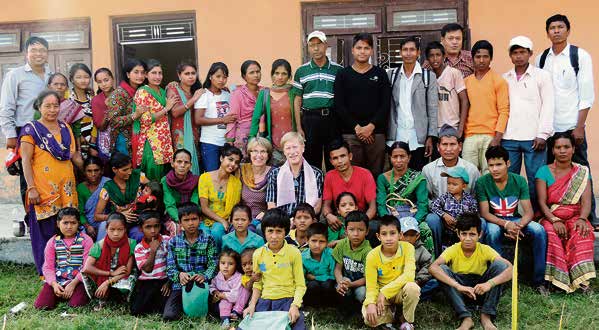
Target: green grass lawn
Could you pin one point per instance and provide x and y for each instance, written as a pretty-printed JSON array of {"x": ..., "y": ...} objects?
[{"x": 19, "y": 283}]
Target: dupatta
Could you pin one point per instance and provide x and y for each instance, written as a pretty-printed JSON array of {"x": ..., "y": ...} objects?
[
  {"x": 115, "y": 194},
  {"x": 188, "y": 140},
  {"x": 46, "y": 141}
]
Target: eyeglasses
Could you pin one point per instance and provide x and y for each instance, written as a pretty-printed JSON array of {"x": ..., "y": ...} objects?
[{"x": 258, "y": 152}]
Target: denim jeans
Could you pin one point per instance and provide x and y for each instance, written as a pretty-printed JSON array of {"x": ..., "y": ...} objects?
[
  {"x": 533, "y": 160},
  {"x": 210, "y": 156},
  {"x": 534, "y": 233},
  {"x": 489, "y": 299},
  {"x": 439, "y": 231},
  {"x": 217, "y": 231},
  {"x": 428, "y": 289}
]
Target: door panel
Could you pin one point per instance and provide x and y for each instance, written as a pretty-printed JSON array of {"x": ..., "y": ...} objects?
[
  {"x": 8, "y": 63},
  {"x": 63, "y": 61}
]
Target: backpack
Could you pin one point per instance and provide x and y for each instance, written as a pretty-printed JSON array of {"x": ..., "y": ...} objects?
[
  {"x": 573, "y": 58},
  {"x": 426, "y": 76}
]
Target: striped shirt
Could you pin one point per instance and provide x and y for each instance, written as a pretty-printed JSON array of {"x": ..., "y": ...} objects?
[
  {"x": 141, "y": 256},
  {"x": 315, "y": 84}
]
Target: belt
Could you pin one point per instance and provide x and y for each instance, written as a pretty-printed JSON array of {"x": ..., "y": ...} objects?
[{"x": 324, "y": 112}]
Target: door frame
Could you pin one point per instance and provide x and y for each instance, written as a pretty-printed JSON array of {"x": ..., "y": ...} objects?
[{"x": 169, "y": 16}]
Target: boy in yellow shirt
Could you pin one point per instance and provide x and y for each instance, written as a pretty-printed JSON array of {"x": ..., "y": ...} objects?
[
  {"x": 469, "y": 269},
  {"x": 278, "y": 265},
  {"x": 390, "y": 270}
]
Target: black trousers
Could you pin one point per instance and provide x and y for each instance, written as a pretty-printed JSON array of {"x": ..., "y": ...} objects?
[
  {"x": 319, "y": 132},
  {"x": 173, "y": 309},
  {"x": 321, "y": 293},
  {"x": 147, "y": 297}
]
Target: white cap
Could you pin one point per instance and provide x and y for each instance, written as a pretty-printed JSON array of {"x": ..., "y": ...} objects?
[
  {"x": 317, "y": 34},
  {"x": 521, "y": 41}
]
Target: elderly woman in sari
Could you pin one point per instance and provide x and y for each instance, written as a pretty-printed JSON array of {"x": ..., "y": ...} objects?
[
  {"x": 88, "y": 193},
  {"x": 152, "y": 143},
  {"x": 564, "y": 192},
  {"x": 402, "y": 182},
  {"x": 47, "y": 148},
  {"x": 179, "y": 185}
]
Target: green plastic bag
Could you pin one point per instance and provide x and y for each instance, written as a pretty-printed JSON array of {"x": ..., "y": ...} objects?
[
  {"x": 195, "y": 299},
  {"x": 266, "y": 320}
]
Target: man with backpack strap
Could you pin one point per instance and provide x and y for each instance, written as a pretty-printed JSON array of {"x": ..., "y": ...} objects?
[
  {"x": 571, "y": 69},
  {"x": 414, "y": 106}
]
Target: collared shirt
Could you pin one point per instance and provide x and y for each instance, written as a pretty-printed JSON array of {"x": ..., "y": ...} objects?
[
  {"x": 20, "y": 88},
  {"x": 447, "y": 203},
  {"x": 437, "y": 185},
  {"x": 252, "y": 241},
  {"x": 463, "y": 62},
  {"x": 323, "y": 269},
  {"x": 300, "y": 192},
  {"x": 291, "y": 238},
  {"x": 572, "y": 92},
  {"x": 406, "y": 131},
  {"x": 282, "y": 273},
  {"x": 197, "y": 258},
  {"x": 315, "y": 84},
  {"x": 531, "y": 105},
  {"x": 361, "y": 184}
]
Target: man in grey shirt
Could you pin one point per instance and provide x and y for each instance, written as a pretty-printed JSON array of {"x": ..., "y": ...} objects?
[{"x": 20, "y": 88}]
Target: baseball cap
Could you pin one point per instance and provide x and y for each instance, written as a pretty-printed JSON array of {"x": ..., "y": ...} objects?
[
  {"x": 409, "y": 223},
  {"x": 521, "y": 41},
  {"x": 457, "y": 172},
  {"x": 317, "y": 34}
]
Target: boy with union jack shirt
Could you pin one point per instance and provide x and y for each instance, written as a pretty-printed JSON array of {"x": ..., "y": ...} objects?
[{"x": 499, "y": 194}]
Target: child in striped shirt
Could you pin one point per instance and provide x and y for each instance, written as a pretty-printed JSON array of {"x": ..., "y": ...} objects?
[{"x": 153, "y": 287}]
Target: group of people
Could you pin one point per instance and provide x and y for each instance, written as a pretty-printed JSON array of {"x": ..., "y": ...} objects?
[{"x": 139, "y": 192}]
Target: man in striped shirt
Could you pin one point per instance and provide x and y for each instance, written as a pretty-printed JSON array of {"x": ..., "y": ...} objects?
[{"x": 313, "y": 90}]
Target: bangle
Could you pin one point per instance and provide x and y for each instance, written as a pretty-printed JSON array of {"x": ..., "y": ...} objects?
[
  {"x": 30, "y": 188},
  {"x": 583, "y": 219},
  {"x": 493, "y": 284}
]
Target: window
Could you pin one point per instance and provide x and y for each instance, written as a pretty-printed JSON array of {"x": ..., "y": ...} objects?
[
  {"x": 424, "y": 17},
  {"x": 147, "y": 32},
  {"x": 63, "y": 39},
  {"x": 345, "y": 21},
  {"x": 10, "y": 41}
]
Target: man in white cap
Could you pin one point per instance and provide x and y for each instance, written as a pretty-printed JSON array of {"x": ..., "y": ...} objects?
[
  {"x": 531, "y": 113},
  {"x": 313, "y": 88}
]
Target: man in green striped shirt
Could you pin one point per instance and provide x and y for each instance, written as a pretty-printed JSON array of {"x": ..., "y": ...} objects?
[{"x": 313, "y": 89}]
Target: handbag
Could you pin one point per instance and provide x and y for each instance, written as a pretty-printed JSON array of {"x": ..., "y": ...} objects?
[
  {"x": 405, "y": 208},
  {"x": 195, "y": 299}
]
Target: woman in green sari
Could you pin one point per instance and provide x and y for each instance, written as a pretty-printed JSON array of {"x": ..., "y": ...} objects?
[
  {"x": 152, "y": 143},
  {"x": 402, "y": 182}
]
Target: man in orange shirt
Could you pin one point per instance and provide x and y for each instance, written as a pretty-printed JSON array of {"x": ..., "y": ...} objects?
[{"x": 489, "y": 107}]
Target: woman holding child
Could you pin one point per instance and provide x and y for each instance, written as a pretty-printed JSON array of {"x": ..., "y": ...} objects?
[{"x": 564, "y": 192}]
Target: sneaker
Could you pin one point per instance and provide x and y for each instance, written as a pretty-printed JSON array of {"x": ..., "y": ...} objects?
[
  {"x": 226, "y": 324},
  {"x": 406, "y": 326},
  {"x": 387, "y": 326}
]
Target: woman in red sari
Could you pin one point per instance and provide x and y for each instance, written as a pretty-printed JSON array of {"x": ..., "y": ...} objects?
[{"x": 564, "y": 192}]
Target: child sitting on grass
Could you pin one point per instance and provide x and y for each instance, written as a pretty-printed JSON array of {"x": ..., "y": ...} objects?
[
  {"x": 350, "y": 258},
  {"x": 470, "y": 271},
  {"x": 281, "y": 286},
  {"x": 303, "y": 217},
  {"x": 152, "y": 288},
  {"x": 64, "y": 256},
  {"x": 110, "y": 262},
  {"x": 319, "y": 268},
  {"x": 191, "y": 258},
  {"x": 241, "y": 238},
  {"x": 449, "y": 206},
  {"x": 410, "y": 232},
  {"x": 390, "y": 271},
  {"x": 345, "y": 202},
  {"x": 226, "y": 288}
]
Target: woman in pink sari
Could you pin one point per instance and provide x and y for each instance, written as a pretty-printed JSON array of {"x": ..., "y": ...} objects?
[
  {"x": 564, "y": 192},
  {"x": 243, "y": 101}
]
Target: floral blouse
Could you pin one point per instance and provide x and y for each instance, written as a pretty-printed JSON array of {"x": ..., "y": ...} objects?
[
  {"x": 119, "y": 116},
  {"x": 156, "y": 132}
]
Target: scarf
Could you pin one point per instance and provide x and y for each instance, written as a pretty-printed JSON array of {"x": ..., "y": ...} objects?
[
  {"x": 90, "y": 205},
  {"x": 115, "y": 194},
  {"x": 103, "y": 263},
  {"x": 70, "y": 111},
  {"x": 99, "y": 110},
  {"x": 247, "y": 175},
  {"x": 184, "y": 187},
  {"x": 286, "y": 186},
  {"x": 47, "y": 142},
  {"x": 405, "y": 185},
  {"x": 188, "y": 139},
  {"x": 130, "y": 90}
]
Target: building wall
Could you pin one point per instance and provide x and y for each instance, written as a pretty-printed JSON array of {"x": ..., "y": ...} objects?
[{"x": 234, "y": 30}]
